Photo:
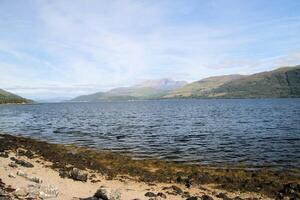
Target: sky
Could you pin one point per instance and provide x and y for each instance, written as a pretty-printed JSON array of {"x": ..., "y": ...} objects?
[{"x": 59, "y": 49}]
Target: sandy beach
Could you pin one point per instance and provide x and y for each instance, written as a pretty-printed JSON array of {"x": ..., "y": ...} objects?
[{"x": 26, "y": 174}]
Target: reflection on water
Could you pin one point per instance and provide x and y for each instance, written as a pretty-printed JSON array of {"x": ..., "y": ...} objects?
[{"x": 255, "y": 132}]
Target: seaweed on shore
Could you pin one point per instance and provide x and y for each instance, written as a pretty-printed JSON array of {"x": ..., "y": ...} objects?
[{"x": 265, "y": 181}]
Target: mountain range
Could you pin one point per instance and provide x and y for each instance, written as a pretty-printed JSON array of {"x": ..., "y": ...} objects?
[
  {"x": 150, "y": 89},
  {"x": 280, "y": 83},
  {"x": 7, "y": 97}
]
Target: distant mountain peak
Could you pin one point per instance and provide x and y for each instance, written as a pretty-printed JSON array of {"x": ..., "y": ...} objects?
[
  {"x": 149, "y": 89},
  {"x": 162, "y": 84}
]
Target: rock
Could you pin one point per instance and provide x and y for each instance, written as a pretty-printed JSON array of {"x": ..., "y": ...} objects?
[
  {"x": 237, "y": 198},
  {"x": 95, "y": 181},
  {"x": 192, "y": 198},
  {"x": 13, "y": 165},
  {"x": 30, "y": 178},
  {"x": 206, "y": 197},
  {"x": 185, "y": 194},
  {"x": 162, "y": 195},
  {"x": 63, "y": 173},
  {"x": 2, "y": 192},
  {"x": 22, "y": 192},
  {"x": 4, "y": 154},
  {"x": 150, "y": 194},
  {"x": 176, "y": 189},
  {"x": 34, "y": 190},
  {"x": 10, "y": 175},
  {"x": 21, "y": 173},
  {"x": 47, "y": 192},
  {"x": 223, "y": 196},
  {"x": 35, "y": 179},
  {"x": 78, "y": 175},
  {"x": 188, "y": 183},
  {"x": 5, "y": 198},
  {"x": 102, "y": 194},
  {"x": 291, "y": 189},
  {"x": 115, "y": 195},
  {"x": 27, "y": 153},
  {"x": 22, "y": 162}
]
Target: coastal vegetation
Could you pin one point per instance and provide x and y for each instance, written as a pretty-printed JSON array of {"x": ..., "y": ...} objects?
[{"x": 274, "y": 183}]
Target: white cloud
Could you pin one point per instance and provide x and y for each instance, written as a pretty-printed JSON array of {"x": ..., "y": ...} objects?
[{"x": 105, "y": 44}]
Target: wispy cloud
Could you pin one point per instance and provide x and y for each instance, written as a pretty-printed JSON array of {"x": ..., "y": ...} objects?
[{"x": 67, "y": 48}]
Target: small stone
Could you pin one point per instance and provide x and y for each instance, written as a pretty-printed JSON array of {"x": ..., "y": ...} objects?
[
  {"x": 63, "y": 173},
  {"x": 11, "y": 175},
  {"x": 188, "y": 183},
  {"x": 13, "y": 165},
  {"x": 4, "y": 154},
  {"x": 192, "y": 198},
  {"x": 2, "y": 192},
  {"x": 162, "y": 195},
  {"x": 78, "y": 175},
  {"x": 35, "y": 179},
  {"x": 22, "y": 162},
  {"x": 5, "y": 198},
  {"x": 102, "y": 194},
  {"x": 21, "y": 173},
  {"x": 150, "y": 194},
  {"x": 176, "y": 189},
  {"x": 22, "y": 192},
  {"x": 27, "y": 153},
  {"x": 47, "y": 192},
  {"x": 115, "y": 195},
  {"x": 237, "y": 198},
  {"x": 186, "y": 194},
  {"x": 206, "y": 197},
  {"x": 223, "y": 196}
]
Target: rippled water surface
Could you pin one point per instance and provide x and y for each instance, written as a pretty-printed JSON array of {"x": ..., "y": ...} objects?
[{"x": 254, "y": 132}]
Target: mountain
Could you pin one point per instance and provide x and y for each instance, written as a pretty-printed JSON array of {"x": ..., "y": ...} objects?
[
  {"x": 150, "y": 89},
  {"x": 162, "y": 84},
  {"x": 7, "y": 97},
  {"x": 200, "y": 88},
  {"x": 282, "y": 82}
]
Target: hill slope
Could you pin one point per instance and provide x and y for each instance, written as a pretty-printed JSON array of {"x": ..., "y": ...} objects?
[
  {"x": 282, "y": 82},
  {"x": 202, "y": 87},
  {"x": 7, "y": 97},
  {"x": 151, "y": 89}
]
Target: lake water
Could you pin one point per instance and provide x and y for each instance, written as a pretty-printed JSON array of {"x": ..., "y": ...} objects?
[{"x": 254, "y": 132}]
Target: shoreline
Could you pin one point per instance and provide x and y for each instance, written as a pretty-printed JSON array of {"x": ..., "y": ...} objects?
[{"x": 119, "y": 173}]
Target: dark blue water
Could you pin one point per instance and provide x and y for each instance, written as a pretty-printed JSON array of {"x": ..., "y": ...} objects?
[{"x": 253, "y": 132}]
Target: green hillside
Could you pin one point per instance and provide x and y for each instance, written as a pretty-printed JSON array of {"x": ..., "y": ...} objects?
[
  {"x": 279, "y": 83},
  {"x": 202, "y": 87},
  {"x": 7, "y": 97},
  {"x": 282, "y": 82}
]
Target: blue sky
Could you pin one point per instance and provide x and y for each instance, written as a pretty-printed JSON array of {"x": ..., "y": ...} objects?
[{"x": 64, "y": 48}]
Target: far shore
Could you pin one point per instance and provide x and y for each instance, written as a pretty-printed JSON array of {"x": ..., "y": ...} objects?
[{"x": 39, "y": 170}]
